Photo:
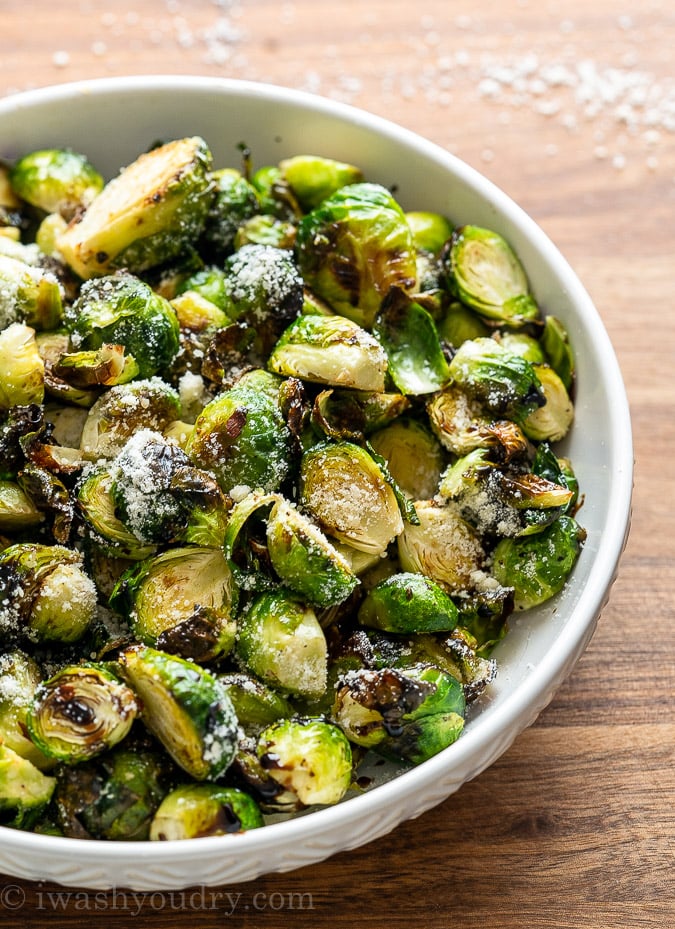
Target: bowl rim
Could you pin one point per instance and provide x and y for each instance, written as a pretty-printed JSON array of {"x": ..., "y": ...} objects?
[{"x": 515, "y": 713}]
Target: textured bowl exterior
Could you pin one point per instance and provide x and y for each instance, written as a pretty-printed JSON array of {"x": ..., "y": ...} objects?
[{"x": 112, "y": 121}]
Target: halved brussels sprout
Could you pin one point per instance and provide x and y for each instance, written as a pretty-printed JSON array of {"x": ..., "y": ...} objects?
[
  {"x": 19, "y": 679},
  {"x": 47, "y": 595},
  {"x": 354, "y": 247},
  {"x": 113, "y": 797},
  {"x": 312, "y": 178},
  {"x": 184, "y": 706},
  {"x": 121, "y": 411},
  {"x": 485, "y": 273},
  {"x": 443, "y": 547},
  {"x": 552, "y": 421},
  {"x": 521, "y": 343},
  {"x": 408, "y": 334},
  {"x": 146, "y": 215},
  {"x": 504, "y": 383},
  {"x": 413, "y": 454},
  {"x": 196, "y": 810},
  {"x": 28, "y": 295},
  {"x": 280, "y": 640},
  {"x": 56, "y": 180},
  {"x": 310, "y": 758},
  {"x": 409, "y": 714},
  {"x": 17, "y": 511},
  {"x": 96, "y": 505},
  {"x": 537, "y": 566},
  {"x": 80, "y": 712},
  {"x": 556, "y": 344},
  {"x": 103, "y": 367},
  {"x": 181, "y": 601},
  {"x": 24, "y": 790},
  {"x": 242, "y": 438},
  {"x": 234, "y": 200},
  {"x": 255, "y": 703},
  {"x": 348, "y": 496},
  {"x": 457, "y": 324},
  {"x": 353, "y": 414},
  {"x": 461, "y": 426},
  {"x": 330, "y": 350},
  {"x": 123, "y": 310},
  {"x": 266, "y": 230},
  {"x": 304, "y": 559},
  {"x": 408, "y": 602},
  {"x": 22, "y": 371}
]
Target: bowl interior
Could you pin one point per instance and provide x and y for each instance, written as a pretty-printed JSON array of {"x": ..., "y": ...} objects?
[{"x": 112, "y": 121}]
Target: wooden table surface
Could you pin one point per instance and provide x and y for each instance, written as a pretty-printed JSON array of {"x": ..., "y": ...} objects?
[{"x": 570, "y": 108}]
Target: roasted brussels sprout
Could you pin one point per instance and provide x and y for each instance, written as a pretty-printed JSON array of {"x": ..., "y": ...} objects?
[
  {"x": 409, "y": 714},
  {"x": 242, "y": 438},
  {"x": 312, "y": 178},
  {"x": 443, "y": 546},
  {"x": 96, "y": 506},
  {"x": 56, "y": 181},
  {"x": 124, "y": 409},
  {"x": 19, "y": 679},
  {"x": 195, "y": 810},
  {"x": 24, "y": 790},
  {"x": 123, "y": 310},
  {"x": 80, "y": 712},
  {"x": 354, "y": 247},
  {"x": 408, "y": 602},
  {"x": 353, "y": 414},
  {"x": 22, "y": 378},
  {"x": 416, "y": 361},
  {"x": 310, "y": 758},
  {"x": 46, "y": 595},
  {"x": 550, "y": 422},
  {"x": 555, "y": 342},
  {"x": 184, "y": 706},
  {"x": 114, "y": 796},
  {"x": 537, "y": 566},
  {"x": 457, "y": 324},
  {"x": 28, "y": 295},
  {"x": 149, "y": 213},
  {"x": 413, "y": 454},
  {"x": 106, "y": 366},
  {"x": 263, "y": 287},
  {"x": 304, "y": 559},
  {"x": 281, "y": 642},
  {"x": 233, "y": 201},
  {"x": 17, "y": 511},
  {"x": 256, "y": 704},
  {"x": 348, "y": 496},
  {"x": 266, "y": 230},
  {"x": 485, "y": 274},
  {"x": 330, "y": 350},
  {"x": 181, "y": 601}
]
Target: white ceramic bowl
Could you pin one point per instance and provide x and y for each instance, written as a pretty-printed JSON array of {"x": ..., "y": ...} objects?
[{"x": 112, "y": 121}]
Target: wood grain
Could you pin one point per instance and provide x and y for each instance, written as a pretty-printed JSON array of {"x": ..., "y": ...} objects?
[{"x": 574, "y": 826}]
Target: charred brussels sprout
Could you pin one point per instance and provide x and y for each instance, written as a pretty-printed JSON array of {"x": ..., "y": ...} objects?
[
  {"x": 22, "y": 371},
  {"x": 113, "y": 797},
  {"x": 348, "y": 496},
  {"x": 242, "y": 438},
  {"x": 408, "y": 602},
  {"x": 181, "y": 601},
  {"x": 409, "y": 714},
  {"x": 186, "y": 707},
  {"x": 266, "y": 230},
  {"x": 123, "y": 410},
  {"x": 264, "y": 286},
  {"x": 56, "y": 181},
  {"x": 81, "y": 712},
  {"x": 506, "y": 384},
  {"x": 354, "y": 247},
  {"x": 304, "y": 558},
  {"x": 146, "y": 215},
  {"x": 330, "y": 350},
  {"x": 105, "y": 530},
  {"x": 24, "y": 790},
  {"x": 17, "y": 511},
  {"x": 550, "y": 422},
  {"x": 121, "y": 309},
  {"x": 430, "y": 231},
  {"x": 310, "y": 758},
  {"x": 234, "y": 200},
  {"x": 28, "y": 295},
  {"x": 46, "y": 594},
  {"x": 196, "y": 810},
  {"x": 280, "y": 640},
  {"x": 19, "y": 679},
  {"x": 312, "y": 178},
  {"x": 537, "y": 566},
  {"x": 255, "y": 703},
  {"x": 486, "y": 275}
]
